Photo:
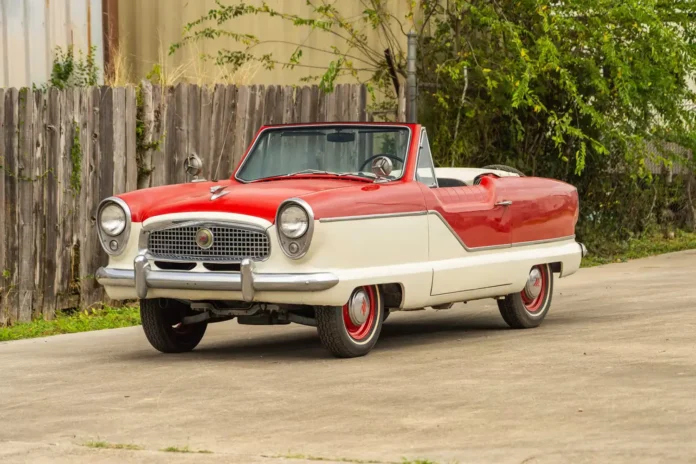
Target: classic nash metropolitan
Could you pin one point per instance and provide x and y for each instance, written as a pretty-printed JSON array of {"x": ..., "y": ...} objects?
[{"x": 334, "y": 225}]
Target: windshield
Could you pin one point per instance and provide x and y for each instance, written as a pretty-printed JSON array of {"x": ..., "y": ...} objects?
[{"x": 339, "y": 150}]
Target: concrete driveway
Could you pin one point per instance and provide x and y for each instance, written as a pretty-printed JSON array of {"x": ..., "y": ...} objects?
[{"x": 609, "y": 377}]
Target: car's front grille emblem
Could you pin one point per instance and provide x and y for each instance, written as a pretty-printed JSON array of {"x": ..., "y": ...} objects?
[{"x": 204, "y": 238}]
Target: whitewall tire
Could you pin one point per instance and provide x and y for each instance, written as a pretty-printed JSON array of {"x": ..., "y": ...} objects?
[
  {"x": 352, "y": 330},
  {"x": 528, "y": 308}
]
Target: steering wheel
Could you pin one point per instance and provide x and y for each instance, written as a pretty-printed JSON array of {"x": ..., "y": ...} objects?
[{"x": 371, "y": 158}]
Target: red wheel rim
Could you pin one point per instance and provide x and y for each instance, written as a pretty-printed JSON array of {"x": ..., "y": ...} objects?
[
  {"x": 535, "y": 304},
  {"x": 361, "y": 331}
]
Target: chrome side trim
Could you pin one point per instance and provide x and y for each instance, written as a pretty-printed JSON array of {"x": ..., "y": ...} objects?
[
  {"x": 471, "y": 290},
  {"x": 541, "y": 242},
  {"x": 373, "y": 216},
  {"x": 435, "y": 213},
  {"x": 143, "y": 278}
]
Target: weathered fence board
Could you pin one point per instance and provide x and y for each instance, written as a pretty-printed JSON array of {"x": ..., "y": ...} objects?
[
  {"x": 147, "y": 118},
  {"x": 3, "y": 245},
  {"x": 241, "y": 121},
  {"x": 39, "y": 212},
  {"x": 161, "y": 111},
  {"x": 64, "y": 151},
  {"x": 86, "y": 239},
  {"x": 65, "y": 205},
  {"x": 202, "y": 128},
  {"x": 51, "y": 226},
  {"x": 192, "y": 123},
  {"x": 91, "y": 253},
  {"x": 131, "y": 140},
  {"x": 25, "y": 202},
  {"x": 10, "y": 208},
  {"x": 225, "y": 138},
  {"x": 117, "y": 127}
]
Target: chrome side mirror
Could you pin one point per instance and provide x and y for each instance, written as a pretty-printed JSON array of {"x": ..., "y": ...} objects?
[
  {"x": 194, "y": 166},
  {"x": 382, "y": 167}
]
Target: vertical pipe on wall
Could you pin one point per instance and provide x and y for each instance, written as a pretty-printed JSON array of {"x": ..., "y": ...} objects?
[
  {"x": 412, "y": 84},
  {"x": 4, "y": 53},
  {"x": 110, "y": 28},
  {"x": 25, "y": 27}
]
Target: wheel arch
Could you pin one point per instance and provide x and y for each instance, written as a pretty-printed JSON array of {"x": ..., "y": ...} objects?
[
  {"x": 393, "y": 294},
  {"x": 557, "y": 267}
]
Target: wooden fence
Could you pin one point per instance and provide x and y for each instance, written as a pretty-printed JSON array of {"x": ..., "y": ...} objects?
[{"x": 62, "y": 152}]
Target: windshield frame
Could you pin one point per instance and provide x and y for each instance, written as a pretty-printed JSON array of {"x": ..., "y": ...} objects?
[{"x": 356, "y": 125}]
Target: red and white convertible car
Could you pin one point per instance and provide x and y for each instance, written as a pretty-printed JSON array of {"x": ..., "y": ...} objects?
[{"x": 334, "y": 226}]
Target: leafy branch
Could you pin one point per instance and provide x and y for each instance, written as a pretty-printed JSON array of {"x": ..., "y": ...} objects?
[{"x": 358, "y": 55}]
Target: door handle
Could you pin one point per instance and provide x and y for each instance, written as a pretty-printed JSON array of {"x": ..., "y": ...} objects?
[{"x": 504, "y": 203}]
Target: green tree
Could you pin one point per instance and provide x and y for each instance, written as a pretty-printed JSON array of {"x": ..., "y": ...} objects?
[{"x": 581, "y": 90}]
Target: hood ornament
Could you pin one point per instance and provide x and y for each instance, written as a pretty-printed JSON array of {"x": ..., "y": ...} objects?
[{"x": 218, "y": 191}]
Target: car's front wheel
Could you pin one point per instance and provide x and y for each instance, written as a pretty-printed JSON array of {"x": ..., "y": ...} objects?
[
  {"x": 528, "y": 308},
  {"x": 162, "y": 322},
  {"x": 352, "y": 330}
]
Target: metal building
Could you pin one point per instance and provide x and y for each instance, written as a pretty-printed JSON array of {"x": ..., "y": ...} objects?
[{"x": 30, "y": 31}]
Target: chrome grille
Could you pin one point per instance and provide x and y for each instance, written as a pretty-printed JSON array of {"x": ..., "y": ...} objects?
[{"x": 229, "y": 244}]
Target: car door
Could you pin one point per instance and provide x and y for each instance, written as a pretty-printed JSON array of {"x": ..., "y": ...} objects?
[{"x": 467, "y": 224}]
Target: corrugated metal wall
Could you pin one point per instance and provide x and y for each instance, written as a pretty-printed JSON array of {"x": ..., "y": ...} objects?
[
  {"x": 30, "y": 30},
  {"x": 148, "y": 27}
]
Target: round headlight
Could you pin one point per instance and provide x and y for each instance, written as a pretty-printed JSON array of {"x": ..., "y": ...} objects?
[
  {"x": 112, "y": 219},
  {"x": 294, "y": 222}
]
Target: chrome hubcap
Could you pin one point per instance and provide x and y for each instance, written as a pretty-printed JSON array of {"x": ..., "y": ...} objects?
[
  {"x": 533, "y": 287},
  {"x": 359, "y": 308}
]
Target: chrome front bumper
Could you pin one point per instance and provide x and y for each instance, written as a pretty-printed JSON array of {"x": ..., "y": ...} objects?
[{"x": 143, "y": 278}]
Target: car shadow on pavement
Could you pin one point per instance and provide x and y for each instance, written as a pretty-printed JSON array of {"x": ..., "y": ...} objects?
[{"x": 304, "y": 343}]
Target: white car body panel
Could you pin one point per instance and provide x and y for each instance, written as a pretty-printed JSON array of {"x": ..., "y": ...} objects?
[{"x": 417, "y": 251}]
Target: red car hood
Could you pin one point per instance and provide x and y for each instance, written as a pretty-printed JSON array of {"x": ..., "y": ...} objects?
[{"x": 260, "y": 199}]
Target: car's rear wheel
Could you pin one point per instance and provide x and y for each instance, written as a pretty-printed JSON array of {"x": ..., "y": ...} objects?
[
  {"x": 162, "y": 322},
  {"x": 528, "y": 308},
  {"x": 352, "y": 330}
]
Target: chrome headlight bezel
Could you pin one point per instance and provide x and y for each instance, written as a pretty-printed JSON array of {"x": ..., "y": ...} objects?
[
  {"x": 295, "y": 247},
  {"x": 121, "y": 238}
]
